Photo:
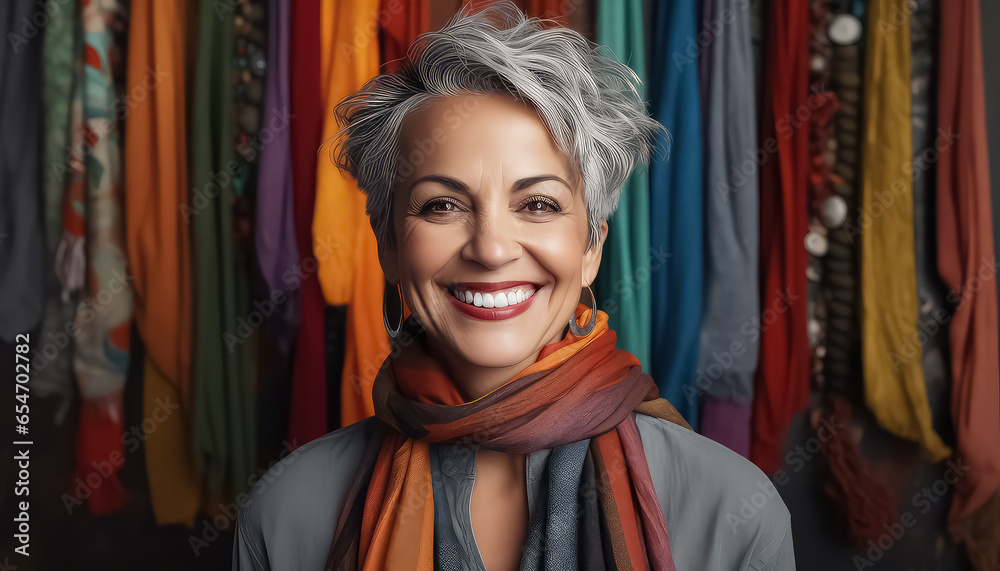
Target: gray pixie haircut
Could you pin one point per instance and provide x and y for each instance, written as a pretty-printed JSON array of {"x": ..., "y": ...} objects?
[{"x": 590, "y": 103}]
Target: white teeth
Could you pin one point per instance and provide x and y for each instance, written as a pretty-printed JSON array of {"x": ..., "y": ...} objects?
[{"x": 491, "y": 300}]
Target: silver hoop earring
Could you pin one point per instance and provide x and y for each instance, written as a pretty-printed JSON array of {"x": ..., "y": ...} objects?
[
  {"x": 589, "y": 328},
  {"x": 393, "y": 332}
]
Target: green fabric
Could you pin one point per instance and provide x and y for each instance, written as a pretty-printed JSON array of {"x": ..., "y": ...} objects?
[
  {"x": 223, "y": 383},
  {"x": 623, "y": 287},
  {"x": 62, "y": 40}
]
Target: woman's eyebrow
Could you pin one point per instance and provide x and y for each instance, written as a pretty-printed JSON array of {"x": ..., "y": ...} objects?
[
  {"x": 443, "y": 180},
  {"x": 533, "y": 180},
  {"x": 460, "y": 186}
]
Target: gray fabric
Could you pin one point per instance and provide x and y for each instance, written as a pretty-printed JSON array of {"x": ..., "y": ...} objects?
[
  {"x": 289, "y": 519},
  {"x": 22, "y": 237},
  {"x": 730, "y": 307},
  {"x": 552, "y": 533}
]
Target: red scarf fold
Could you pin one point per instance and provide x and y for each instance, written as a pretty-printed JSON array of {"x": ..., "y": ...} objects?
[{"x": 579, "y": 388}]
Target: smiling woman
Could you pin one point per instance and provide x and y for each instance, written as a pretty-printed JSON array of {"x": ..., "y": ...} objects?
[{"x": 509, "y": 431}]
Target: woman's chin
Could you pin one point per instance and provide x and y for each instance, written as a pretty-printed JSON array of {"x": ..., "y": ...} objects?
[{"x": 495, "y": 351}]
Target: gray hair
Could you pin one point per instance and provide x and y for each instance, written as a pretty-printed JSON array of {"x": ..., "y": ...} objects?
[{"x": 590, "y": 103}]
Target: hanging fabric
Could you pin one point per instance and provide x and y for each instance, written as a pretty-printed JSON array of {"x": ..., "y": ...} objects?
[
  {"x": 728, "y": 355},
  {"x": 781, "y": 387},
  {"x": 53, "y": 358},
  {"x": 968, "y": 266},
  {"x": 675, "y": 215},
  {"x": 622, "y": 285},
  {"x": 22, "y": 237},
  {"x": 277, "y": 253},
  {"x": 223, "y": 383},
  {"x": 894, "y": 379},
  {"x": 307, "y": 419},
  {"x": 397, "y": 32},
  {"x": 342, "y": 236},
  {"x": 104, "y": 316},
  {"x": 558, "y": 10},
  {"x": 159, "y": 250}
]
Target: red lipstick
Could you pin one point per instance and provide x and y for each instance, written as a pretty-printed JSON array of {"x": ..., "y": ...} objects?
[{"x": 492, "y": 313}]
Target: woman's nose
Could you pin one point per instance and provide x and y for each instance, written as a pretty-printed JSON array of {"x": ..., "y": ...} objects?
[{"x": 493, "y": 242}]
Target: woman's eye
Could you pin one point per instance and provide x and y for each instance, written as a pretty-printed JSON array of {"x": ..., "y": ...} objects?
[
  {"x": 440, "y": 206},
  {"x": 540, "y": 205}
]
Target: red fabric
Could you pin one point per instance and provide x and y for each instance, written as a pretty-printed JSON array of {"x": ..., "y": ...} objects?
[
  {"x": 550, "y": 10},
  {"x": 966, "y": 259},
  {"x": 398, "y": 31},
  {"x": 308, "y": 401},
  {"x": 781, "y": 387}
]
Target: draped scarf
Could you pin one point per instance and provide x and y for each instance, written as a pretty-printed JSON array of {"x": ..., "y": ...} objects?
[
  {"x": 968, "y": 266},
  {"x": 104, "y": 316},
  {"x": 579, "y": 388},
  {"x": 781, "y": 388},
  {"x": 622, "y": 282}
]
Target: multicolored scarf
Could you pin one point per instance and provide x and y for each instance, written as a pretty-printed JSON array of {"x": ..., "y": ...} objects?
[{"x": 579, "y": 388}]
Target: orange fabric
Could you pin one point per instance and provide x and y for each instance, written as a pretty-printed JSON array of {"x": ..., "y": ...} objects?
[
  {"x": 402, "y": 477},
  {"x": 156, "y": 184},
  {"x": 159, "y": 248},
  {"x": 344, "y": 243},
  {"x": 613, "y": 462}
]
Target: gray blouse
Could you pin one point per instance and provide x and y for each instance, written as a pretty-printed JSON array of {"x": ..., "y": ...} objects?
[{"x": 722, "y": 513}]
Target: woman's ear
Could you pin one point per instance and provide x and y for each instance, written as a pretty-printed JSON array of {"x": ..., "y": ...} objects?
[{"x": 592, "y": 257}]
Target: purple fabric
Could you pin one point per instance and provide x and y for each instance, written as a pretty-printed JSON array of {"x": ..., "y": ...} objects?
[
  {"x": 727, "y": 423},
  {"x": 276, "y": 249}
]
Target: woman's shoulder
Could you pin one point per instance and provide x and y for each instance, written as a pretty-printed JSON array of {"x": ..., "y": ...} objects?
[
  {"x": 291, "y": 512},
  {"x": 715, "y": 501}
]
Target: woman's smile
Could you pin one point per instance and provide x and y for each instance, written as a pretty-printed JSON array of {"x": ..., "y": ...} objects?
[{"x": 492, "y": 301}]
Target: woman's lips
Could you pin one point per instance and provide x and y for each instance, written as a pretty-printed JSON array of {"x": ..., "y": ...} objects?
[{"x": 523, "y": 291}]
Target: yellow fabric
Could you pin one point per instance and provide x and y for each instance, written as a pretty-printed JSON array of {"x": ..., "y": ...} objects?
[
  {"x": 173, "y": 481},
  {"x": 343, "y": 241},
  {"x": 894, "y": 377}
]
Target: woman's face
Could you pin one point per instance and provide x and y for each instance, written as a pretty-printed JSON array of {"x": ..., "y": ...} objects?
[{"x": 491, "y": 231}]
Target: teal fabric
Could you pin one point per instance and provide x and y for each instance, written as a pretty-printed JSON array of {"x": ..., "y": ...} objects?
[
  {"x": 623, "y": 285},
  {"x": 676, "y": 207}
]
